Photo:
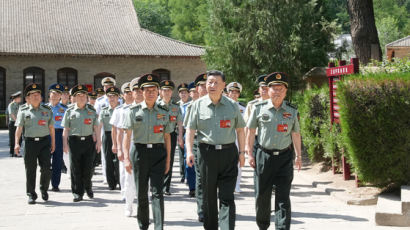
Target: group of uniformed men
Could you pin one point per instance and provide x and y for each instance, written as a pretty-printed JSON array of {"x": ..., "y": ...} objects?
[{"x": 138, "y": 132}]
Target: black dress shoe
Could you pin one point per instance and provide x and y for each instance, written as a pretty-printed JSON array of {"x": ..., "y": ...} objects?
[
  {"x": 111, "y": 187},
  {"x": 11, "y": 154},
  {"x": 32, "y": 199},
  {"x": 90, "y": 194},
  {"x": 55, "y": 189},
  {"x": 167, "y": 193},
  {"x": 44, "y": 196},
  {"x": 201, "y": 219},
  {"x": 192, "y": 193},
  {"x": 77, "y": 198},
  {"x": 182, "y": 180},
  {"x": 18, "y": 156}
]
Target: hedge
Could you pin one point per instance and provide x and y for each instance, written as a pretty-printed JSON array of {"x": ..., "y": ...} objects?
[{"x": 375, "y": 122}]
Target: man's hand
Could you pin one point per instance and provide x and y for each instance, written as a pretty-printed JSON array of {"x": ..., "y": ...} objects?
[
  {"x": 53, "y": 148},
  {"x": 120, "y": 155},
  {"x": 17, "y": 149},
  {"x": 114, "y": 149},
  {"x": 241, "y": 160},
  {"x": 298, "y": 162},
  {"x": 128, "y": 166},
  {"x": 98, "y": 146},
  {"x": 190, "y": 159},
  {"x": 181, "y": 141},
  {"x": 251, "y": 160},
  {"x": 167, "y": 166},
  {"x": 65, "y": 149}
]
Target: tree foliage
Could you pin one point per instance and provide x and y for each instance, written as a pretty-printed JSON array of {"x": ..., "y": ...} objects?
[{"x": 154, "y": 16}]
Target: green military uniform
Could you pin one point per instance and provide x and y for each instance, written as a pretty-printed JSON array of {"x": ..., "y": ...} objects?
[
  {"x": 218, "y": 157},
  {"x": 36, "y": 122},
  {"x": 81, "y": 122},
  {"x": 148, "y": 156},
  {"x": 274, "y": 160},
  {"x": 13, "y": 108},
  {"x": 112, "y": 163}
]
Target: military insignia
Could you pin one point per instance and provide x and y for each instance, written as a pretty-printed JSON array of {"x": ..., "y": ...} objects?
[
  {"x": 286, "y": 115},
  {"x": 28, "y": 117},
  {"x": 205, "y": 76},
  {"x": 42, "y": 122},
  {"x": 138, "y": 118},
  {"x": 57, "y": 86},
  {"x": 183, "y": 85},
  {"x": 112, "y": 89},
  {"x": 61, "y": 110},
  {"x": 87, "y": 121},
  {"x": 149, "y": 78},
  {"x": 166, "y": 82},
  {"x": 265, "y": 78},
  {"x": 34, "y": 86},
  {"x": 174, "y": 110},
  {"x": 235, "y": 85},
  {"x": 158, "y": 128},
  {"x": 90, "y": 113},
  {"x": 282, "y": 128},
  {"x": 241, "y": 110},
  {"x": 172, "y": 118},
  {"x": 278, "y": 76},
  {"x": 44, "y": 114},
  {"x": 160, "y": 116},
  {"x": 58, "y": 118},
  {"x": 265, "y": 117}
]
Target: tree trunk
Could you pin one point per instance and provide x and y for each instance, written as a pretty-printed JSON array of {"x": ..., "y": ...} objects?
[{"x": 363, "y": 30}]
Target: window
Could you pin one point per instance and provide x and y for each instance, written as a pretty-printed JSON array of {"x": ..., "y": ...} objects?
[
  {"x": 3, "y": 101},
  {"x": 34, "y": 75},
  {"x": 67, "y": 77},
  {"x": 99, "y": 77},
  {"x": 163, "y": 74}
]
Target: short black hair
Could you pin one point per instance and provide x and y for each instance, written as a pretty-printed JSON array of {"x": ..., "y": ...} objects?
[{"x": 216, "y": 73}]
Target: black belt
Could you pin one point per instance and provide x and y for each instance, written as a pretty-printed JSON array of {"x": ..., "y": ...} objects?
[
  {"x": 81, "y": 138},
  {"x": 217, "y": 147},
  {"x": 36, "y": 138},
  {"x": 273, "y": 152},
  {"x": 149, "y": 146},
  {"x": 108, "y": 132}
]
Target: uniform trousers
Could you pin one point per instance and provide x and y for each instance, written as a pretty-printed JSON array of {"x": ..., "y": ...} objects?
[
  {"x": 81, "y": 162},
  {"x": 57, "y": 159},
  {"x": 219, "y": 171},
  {"x": 198, "y": 183},
  {"x": 111, "y": 161},
  {"x": 273, "y": 170},
  {"x": 149, "y": 167},
  {"x": 37, "y": 149},
  {"x": 181, "y": 162},
  {"x": 168, "y": 176}
]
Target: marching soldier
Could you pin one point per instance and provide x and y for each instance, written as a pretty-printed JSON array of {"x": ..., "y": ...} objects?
[
  {"x": 37, "y": 121},
  {"x": 184, "y": 98},
  {"x": 149, "y": 124},
  {"x": 278, "y": 127},
  {"x": 13, "y": 108},
  {"x": 58, "y": 109},
  {"x": 218, "y": 122},
  {"x": 234, "y": 91},
  {"x": 65, "y": 96},
  {"x": 79, "y": 122},
  {"x": 111, "y": 159},
  {"x": 100, "y": 92},
  {"x": 92, "y": 97},
  {"x": 166, "y": 88}
]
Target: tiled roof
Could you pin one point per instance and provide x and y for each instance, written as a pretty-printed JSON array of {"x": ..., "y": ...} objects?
[
  {"x": 81, "y": 27},
  {"x": 400, "y": 43}
]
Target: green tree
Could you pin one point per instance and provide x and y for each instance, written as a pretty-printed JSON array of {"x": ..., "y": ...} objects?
[
  {"x": 154, "y": 16},
  {"x": 190, "y": 20},
  {"x": 388, "y": 30},
  {"x": 262, "y": 36}
]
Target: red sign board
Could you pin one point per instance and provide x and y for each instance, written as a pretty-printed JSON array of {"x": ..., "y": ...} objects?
[
  {"x": 341, "y": 70},
  {"x": 89, "y": 87}
]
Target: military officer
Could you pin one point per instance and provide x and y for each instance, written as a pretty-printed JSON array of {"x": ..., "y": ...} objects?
[
  {"x": 234, "y": 91},
  {"x": 278, "y": 127},
  {"x": 175, "y": 119},
  {"x": 55, "y": 91},
  {"x": 183, "y": 94},
  {"x": 79, "y": 122},
  {"x": 218, "y": 122},
  {"x": 65, "y": 96},
  {"x": 100, "y": 92},
  {"x": 13, "y": 108},
  {"x": 149, "y": 123},
  {"x": 111, "y": 159},
  {"x": 92, "y": 97},
  {"x": 37, "y": 121}
]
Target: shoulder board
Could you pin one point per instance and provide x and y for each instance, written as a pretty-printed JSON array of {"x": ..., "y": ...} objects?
[
  {"x": 104, "y": 106},
  {"x": 261, "y": 103},
  {"x": 23, "y": 107},
  {"x": 100, "y": 98},
  {"x": 46, "y": 106},
  {"x": 90, "y": 107},
  {"x": 291, "y": 105},
  {"x": 253, "y": 101},
  {"x": 64, "y": 106},
  {"x": 243, "y": 104},
  {"x": 135, "y": 106},
  {"x": 175, "y": 103},
  {"x": 162, "y": 107},
  {"x": 119, "y": 107}
]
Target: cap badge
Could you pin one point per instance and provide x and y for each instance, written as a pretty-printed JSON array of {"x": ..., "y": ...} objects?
[
  {"x": 112, "y": 89},
  {"x": 57, "y": 86},
  {"x": 235, "y": 85},
  {"x": 205, "y": 76},
  {"x": 265, "y": 78},
  {"x": 80, "y": 87},
  {"x": 34, "y": 86},
  {"x": 166, "y": 82},
  {"x": 149, "y": 78},
  {"x": 278, "y": 76}
]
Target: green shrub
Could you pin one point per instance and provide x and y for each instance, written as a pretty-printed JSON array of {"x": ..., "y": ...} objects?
[{"x": 375, "y": 121}]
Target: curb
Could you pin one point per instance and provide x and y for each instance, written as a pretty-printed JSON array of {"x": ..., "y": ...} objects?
[{"x": 340, "y": 194}]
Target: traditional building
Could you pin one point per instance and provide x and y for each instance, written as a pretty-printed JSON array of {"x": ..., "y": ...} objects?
[
  {"x": 82, "y": 41},
  {"x": 399, "y": 48}
]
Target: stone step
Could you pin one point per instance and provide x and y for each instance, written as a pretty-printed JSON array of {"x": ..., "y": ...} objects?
[
  {"x": 405, "y": 199},
  {"x": 389, "y": 211}
]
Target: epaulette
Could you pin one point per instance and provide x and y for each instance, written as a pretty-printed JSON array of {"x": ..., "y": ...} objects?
[
  {"x": 261, "y": 103},
  {"x": 119, "y": 106},
  {"x": 175, "y": 103},
  {"x": 46, "y": 106},
  {"x": 24, "y": 106},
  {"x": 91, "y": 107},
  {"x": 162, "y": 107},
  {"x": 243, "y": 104},
  {"x": 65, "y": 106},
  {"x": 71, "y": 106},
  {"x": 253, "y": 101},
  {"x": 291, "y": 105},
  {"x": 135, "y": 106}
]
